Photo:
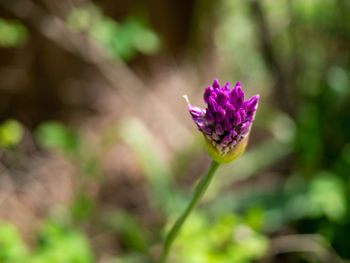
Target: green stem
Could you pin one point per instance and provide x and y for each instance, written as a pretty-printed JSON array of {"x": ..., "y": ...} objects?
[{"x": 197, "y": 194}]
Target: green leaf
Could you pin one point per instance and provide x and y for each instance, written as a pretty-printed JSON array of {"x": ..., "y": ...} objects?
[
  {"x": 11, "y": 132},
  {"x": 327, "y": 196},
  {"x": 12, "y": 33},
  {"x": 12, "y": 249},
  {"x": 61, "y": 244},
  {"x": 83, "y": 207},
  {"x": 132, "y": 233},
  {"x": 55, "y": 135}
]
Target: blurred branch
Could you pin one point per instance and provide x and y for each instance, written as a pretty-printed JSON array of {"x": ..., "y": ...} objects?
[
  {"x": 114, "y": 71},
  {"x": 314, "y": 244}
]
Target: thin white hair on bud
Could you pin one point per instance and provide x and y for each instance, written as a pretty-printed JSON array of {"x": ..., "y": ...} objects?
[{"x": 186, "y": 99}]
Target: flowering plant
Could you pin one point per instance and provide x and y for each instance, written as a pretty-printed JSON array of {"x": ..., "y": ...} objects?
[
  {"x": 225, "y": 124},
  {"x": 226, "y": 121}
]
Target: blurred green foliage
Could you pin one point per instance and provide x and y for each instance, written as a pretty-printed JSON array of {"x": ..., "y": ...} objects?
[
  {"x": 55, "y": 135},
  {"x": 12, "y": 248},
  {"x": 82, "y": 208},
  {"x": 12, "y": 33},
  {"x": 122, "y": 40},
  {"x": 59, "y": 243},
  {"x": 327, "y": 197},
  {"x": 71, "y": 144},
  {"x": 227, "y": 239},
  {"x": 129, "y": 229},
  {"x": 11, "y": 133},
  {"x": 56, "y": 244}
]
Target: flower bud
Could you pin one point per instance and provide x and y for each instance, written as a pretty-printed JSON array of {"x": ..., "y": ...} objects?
[{"x": 226, "y": 121}]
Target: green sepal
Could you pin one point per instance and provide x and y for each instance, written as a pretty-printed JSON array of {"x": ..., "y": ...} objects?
[{"x": 230, "y": 156}]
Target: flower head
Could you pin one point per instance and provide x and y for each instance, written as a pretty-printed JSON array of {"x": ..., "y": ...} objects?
[{"x": 226, "y": 121}]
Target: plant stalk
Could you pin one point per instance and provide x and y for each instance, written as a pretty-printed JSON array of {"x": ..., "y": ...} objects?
[{"x": 197, "y": 194}]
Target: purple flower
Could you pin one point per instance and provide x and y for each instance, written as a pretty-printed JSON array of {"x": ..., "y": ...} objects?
[{"x": 227, "y": 118}]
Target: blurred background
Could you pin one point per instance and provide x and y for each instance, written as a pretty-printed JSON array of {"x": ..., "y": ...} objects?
[{"x": 99, "y": 154}]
